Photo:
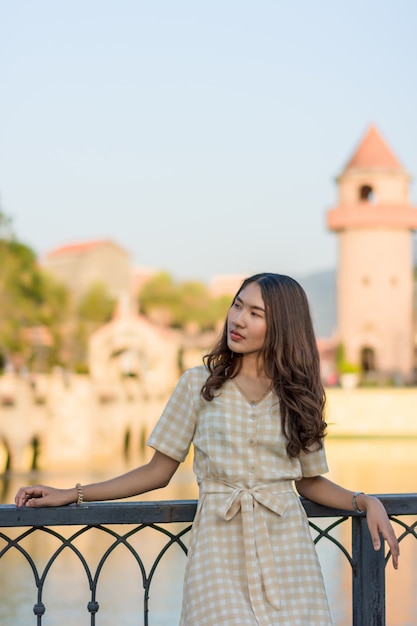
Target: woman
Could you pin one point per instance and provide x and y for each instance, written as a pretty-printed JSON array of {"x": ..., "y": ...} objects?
[{"x": 254, "y": 414}]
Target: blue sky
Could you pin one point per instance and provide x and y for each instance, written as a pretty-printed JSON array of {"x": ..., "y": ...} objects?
[{"x": 204, "y": 137}]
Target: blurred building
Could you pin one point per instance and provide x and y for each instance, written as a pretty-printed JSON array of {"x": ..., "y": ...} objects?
[
  {"x": 80, "y": 265},
  {"x": 131, "y": 347}
]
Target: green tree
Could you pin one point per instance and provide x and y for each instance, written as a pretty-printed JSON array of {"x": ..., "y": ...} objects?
[
  {"x": 192, "y": 304},
  {"x": 29, "y": 298},
  {"x": 159, "y": 299},
  {"x": 344, "y": 366},
  {"x": 218, "y": 309},
  {"x": 95, "y": 309},
  {"x": 97, "y": 306},
  {"x": 6, "y": 227},
  {"x": 181, "y": 305}
]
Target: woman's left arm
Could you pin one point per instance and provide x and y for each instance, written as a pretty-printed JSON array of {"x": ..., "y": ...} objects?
[{"x": 323, "y": 491}]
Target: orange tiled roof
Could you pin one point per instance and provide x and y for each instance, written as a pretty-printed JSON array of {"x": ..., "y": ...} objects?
[
  {"x": 77, "y": 248},
  {"x": 374, "y": 152}
]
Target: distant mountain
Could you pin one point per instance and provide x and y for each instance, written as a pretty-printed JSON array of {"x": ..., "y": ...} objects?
[{"x": 320, "y": 288}]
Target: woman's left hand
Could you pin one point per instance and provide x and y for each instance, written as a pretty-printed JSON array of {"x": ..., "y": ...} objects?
[{"x": 379, "y": 524}]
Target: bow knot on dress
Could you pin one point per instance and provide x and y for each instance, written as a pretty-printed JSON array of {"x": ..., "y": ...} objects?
[{"x": 260, "y": 565}]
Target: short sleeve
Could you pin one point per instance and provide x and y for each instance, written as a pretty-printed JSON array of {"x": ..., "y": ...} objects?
[
  {"x": 313, "y": 463},
  {"x": 175, "y": 428}
]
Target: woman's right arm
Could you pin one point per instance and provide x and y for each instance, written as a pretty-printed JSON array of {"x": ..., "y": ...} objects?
[{"x": 154, "y": 475}]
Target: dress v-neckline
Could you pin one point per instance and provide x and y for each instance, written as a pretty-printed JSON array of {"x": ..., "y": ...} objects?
[{"x": 252, "y": 403}]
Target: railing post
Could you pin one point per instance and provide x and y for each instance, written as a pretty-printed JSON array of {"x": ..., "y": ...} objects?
[{"x": 368, "y": 577}]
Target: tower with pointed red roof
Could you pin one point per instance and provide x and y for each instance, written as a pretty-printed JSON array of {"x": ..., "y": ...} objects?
[{"x": 374, "y": 221}]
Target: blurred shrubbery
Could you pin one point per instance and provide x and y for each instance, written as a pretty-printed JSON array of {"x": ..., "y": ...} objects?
[{"x": 182, "y": 305}]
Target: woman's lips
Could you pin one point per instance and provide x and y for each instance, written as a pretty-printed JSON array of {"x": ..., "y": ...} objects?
[{"x": 235, "y": 336}]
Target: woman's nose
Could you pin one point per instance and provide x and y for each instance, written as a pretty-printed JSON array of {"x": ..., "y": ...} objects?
[{"x": 239, "y": 318}]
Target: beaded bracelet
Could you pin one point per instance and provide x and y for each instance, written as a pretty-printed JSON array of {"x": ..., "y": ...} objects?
[
  {"x": 354, "y": 503},
  {"x": 80, "y": 492}
]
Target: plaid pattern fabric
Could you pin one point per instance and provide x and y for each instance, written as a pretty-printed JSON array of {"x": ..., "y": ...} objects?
[{"x": 251, "y": 561}]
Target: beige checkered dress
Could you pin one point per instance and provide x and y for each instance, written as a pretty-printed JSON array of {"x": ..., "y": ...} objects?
[{"x": 251, "y": 561}]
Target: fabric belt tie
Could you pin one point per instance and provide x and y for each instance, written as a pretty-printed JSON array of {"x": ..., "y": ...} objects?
[{"x": 260, "y": 564}]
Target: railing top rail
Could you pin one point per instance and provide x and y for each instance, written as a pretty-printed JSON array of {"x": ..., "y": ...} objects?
[
  {"x": 93, "y": 513},
  {"x": 395, "y": 504},
  {"x": 122, "y": 512}
]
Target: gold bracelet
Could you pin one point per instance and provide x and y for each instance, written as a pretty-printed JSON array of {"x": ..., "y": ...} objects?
[
  {"x": 354, "y": 503},
  {"x": 80, "y": 492}
]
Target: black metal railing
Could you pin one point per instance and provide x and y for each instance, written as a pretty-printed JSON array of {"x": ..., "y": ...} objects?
[{"x": 112, "y": 519}]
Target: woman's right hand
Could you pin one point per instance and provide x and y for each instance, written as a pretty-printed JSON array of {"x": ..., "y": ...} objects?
[{"x": 41, "y": 495}]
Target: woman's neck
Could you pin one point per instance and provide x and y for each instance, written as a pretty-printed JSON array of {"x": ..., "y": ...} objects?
[{"x": 252, "y": 368}]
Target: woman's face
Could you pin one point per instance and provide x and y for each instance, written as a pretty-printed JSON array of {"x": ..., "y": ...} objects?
[{"x": 246, "y": 323}]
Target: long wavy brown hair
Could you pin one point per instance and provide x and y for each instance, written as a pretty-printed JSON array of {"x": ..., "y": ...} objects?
[{"x": 290, "y": 359}]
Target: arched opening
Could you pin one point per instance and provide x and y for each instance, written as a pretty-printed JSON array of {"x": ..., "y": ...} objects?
[
  {"x": 127, "y": 361},
  {"x": 368, "y": 359},
  {"x": 366, "y": 194}
]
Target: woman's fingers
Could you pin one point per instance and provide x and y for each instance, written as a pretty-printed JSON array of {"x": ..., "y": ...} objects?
[
  {"x": 34, "y": 496},
  {"x": 379, "y": 524},
  {"x": 26, "y": 493}
]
